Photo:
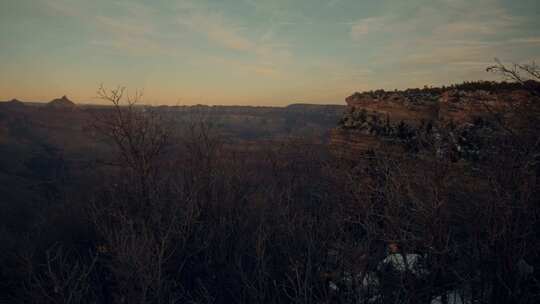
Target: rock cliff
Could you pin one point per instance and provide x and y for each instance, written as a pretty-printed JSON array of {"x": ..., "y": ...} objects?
[{"x": 370, "y": 116}]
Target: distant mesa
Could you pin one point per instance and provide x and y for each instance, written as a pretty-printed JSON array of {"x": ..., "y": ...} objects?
[
  {"x": 300, "y": 106},
  {"x": 61, "y": 103},
  {"x": 14, "y": 103},
  {"x": 312, "y": 106}
]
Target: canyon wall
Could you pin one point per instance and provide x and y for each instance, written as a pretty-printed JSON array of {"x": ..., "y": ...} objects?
[{"x": 412, "y": 108}]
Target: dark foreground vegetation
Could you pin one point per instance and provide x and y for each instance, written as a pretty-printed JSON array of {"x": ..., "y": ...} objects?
[{"x": 174, "y": 215}]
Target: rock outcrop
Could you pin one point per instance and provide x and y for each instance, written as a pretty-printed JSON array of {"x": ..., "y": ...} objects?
[
  {"x": 61, "y": 103},
  {"x": 13, "y": 104},
  {"x": 371, "y": 114}
]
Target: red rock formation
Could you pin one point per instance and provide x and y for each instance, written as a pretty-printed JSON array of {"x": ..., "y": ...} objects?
[
  {"x": 413, "y": 108},
  {"x": 350, "y": 144}
]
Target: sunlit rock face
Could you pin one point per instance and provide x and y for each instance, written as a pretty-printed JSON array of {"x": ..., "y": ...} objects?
[
  {"x": 395, "y": 107},
  {"x": 348, "y": 144},
  {"x": 370, "y": 115}
]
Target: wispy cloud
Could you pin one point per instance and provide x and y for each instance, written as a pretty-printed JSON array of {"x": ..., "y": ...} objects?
[
  {"x": 369, "y": 25},
  {"x": 217, "y": 29},
  {"x": 302, "y": 48},
  {"x": 134, "y": 30},
  {"x": 63, "y": 8},
  {"x": 441, "y": 18},
  {"x": 139, "y": 29},
  {"x": 266, "y": 53},
  {"x": 442, "y": 35},
  {"x": 333, "y": 3}
]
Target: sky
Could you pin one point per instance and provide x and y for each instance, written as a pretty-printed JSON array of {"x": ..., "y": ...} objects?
[{"x": 255, "y": 52}]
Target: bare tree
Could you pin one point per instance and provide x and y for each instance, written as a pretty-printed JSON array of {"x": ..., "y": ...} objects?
[
  {"x": 63, "y": 277},
  {"x": 147, "y": 219},
  {"x": 141, "y": 135}
]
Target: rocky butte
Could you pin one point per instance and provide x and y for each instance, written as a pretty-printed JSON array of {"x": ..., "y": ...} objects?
[
  {"x": 462, "y": 105},
  {"x": 61, "y": 103}
]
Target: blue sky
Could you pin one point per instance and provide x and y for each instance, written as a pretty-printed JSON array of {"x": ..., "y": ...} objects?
[{"x": 271, "y": 52}]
